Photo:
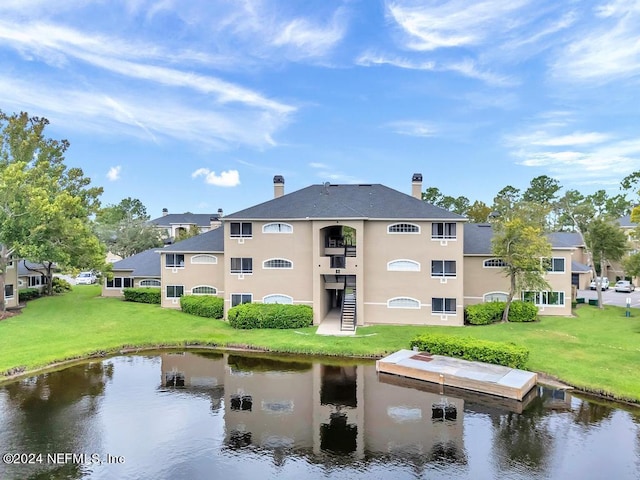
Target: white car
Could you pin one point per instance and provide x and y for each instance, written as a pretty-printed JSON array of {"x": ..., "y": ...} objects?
[
  {"x": 624, "y": 286},
  {"x": 603, "y": 286},
  {"x": 86, "y": 278}
]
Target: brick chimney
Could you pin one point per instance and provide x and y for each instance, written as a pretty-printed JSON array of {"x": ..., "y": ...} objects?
[
  {"x": 416, "y": 186},
  {"x": 278, "y": 186},
  {"x": 165, "y": 212}
]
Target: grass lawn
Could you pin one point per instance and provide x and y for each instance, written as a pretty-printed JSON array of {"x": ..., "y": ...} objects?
[{"x": 597, "y": 351}]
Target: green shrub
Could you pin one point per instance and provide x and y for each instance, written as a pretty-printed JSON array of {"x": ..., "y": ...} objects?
[
  {"x": 143, "y": 295},
  {"x": 484, "y": 313},
  {"x": 522, "y": 311},
  {"x": 28, "y": 294},
  {"x": 60, "y": 285},
  {"x": 270, "y": 315},
  {"x": 203, "y": 305},
  {"x": 506, "y": 354}
]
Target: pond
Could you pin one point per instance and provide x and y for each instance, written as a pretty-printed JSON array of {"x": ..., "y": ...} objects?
[{"x": 192, "y": 415}]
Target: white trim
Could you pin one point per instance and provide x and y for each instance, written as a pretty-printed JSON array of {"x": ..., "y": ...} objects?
[
  {"x": 493, "y": 259},
  {"x": 204, "y": 286},
  {"x": 149, "y": 280},
  {"x": 277, "y": 268},
  {"x": 403, "y": 233},
  {"x": 278, "y": 295},
  {"x": 278, "y": 223},
  {"x": 239, "y": 293},
  {"x": 416, "y": 307},
  {"x": 406, "y": 260},
  {"x": 484, "y": 297},
  {"x": 203, "y": 256}
]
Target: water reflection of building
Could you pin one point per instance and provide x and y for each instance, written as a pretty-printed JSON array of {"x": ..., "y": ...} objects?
[{"x": 321, "y": 411}]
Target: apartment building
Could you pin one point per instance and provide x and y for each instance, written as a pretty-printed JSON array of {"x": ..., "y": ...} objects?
[{"x": 366, "y": 254}]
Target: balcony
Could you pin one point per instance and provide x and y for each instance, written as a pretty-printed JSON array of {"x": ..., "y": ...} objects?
[{"x": 337, "y": 265}]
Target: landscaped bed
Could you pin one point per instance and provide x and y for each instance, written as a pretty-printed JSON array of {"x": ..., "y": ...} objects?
[{"x": 597, "y": 350}]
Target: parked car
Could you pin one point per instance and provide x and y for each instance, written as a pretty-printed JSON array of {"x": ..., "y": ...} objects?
[
  {"x": 624, "y": 286},
  {"x": 603, "y": 286},
  {"x": 86, "y": 278}
]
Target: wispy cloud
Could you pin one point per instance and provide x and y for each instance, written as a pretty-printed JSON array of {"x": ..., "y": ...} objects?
[
  {"x": 433, "y": 24},
  {"x": 226, "y": 178},
  {"x": 413, "y": 128},
  {"x": 114, "y": 173},
  {"x": 577, "y": 156},
  {"x": 319, "y": 165},
  {"x": 605, "y": 49}
]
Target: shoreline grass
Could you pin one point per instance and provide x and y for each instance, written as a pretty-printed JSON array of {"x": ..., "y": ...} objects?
[{"x": 597, "y": 351}]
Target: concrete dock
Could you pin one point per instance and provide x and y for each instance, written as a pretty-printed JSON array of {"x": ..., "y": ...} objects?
[{"x": 454, "y": 372}]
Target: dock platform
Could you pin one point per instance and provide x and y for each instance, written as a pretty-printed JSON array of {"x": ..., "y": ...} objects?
[{"x": 454, "y": 372}]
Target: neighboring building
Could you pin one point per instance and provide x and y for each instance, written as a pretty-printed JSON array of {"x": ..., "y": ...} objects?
[
  {"x": 31, "y": 275},
  {"x": 194, "y": 266},
  {"x": 485, "y": 280},
  {"x": 11, "y": 285},
  {"x": 139, "y": 270},
  {"x": 171, "y": 225}
]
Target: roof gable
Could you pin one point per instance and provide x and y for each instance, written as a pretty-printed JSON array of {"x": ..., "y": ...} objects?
[{"x": 369, "y": 201}]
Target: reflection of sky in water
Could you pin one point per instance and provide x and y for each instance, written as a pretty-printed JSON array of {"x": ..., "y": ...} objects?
[{"x": 123, "y": 407}]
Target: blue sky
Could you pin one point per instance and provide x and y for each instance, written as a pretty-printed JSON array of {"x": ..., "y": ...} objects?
[{"x": 196, "y": 105}]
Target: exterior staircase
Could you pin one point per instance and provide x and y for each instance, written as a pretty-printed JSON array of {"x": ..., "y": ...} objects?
[{"x": 348, "y": 315}]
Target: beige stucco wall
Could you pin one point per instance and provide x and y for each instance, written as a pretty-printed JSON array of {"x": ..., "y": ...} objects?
[
  {"x": 11, "y": 278},
  {"x": 192, "y": 275},
  {"x": 295, "y": 247},
  {"x": 382, "y": 285},
  {"x": 479, "y": 281}
]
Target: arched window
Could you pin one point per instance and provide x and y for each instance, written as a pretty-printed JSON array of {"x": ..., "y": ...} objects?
[
  {"x": 494, "y": 263},
  {"x": 278, "y": 298},
  {"x": 277, "y": 228},
  {"x": 403, "y": 265},
  {"x": 150, "y": 283},
  {"x": 403, "y": 228},
  {"x": 495, "y": 297},
  {"x": 204, "y": 290},
  {"x": 403, "y": 302},
  {"x": 204, "y": 259},
  {"x": 277, "y": 263}
]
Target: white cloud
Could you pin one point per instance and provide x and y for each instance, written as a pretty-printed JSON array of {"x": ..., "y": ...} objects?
[
  {"x": 433, "y": 24},
  {"x": 114, "y": 173},
  {"x": 323, "y": 166},
  {"x": 579, "y": 157},
  {"x": 413, "y": 128},
  {"x": 227, "y": 178},
  {"x": 606, "y": 48}
]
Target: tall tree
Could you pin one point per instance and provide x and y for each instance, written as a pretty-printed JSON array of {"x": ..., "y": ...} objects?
[
  {"x": 505, "y": 200},
  {"x": 44, "y": 205},
  {"x": 478, "y": 212},
  {"x": 522, "y": 247},
  {"x": 607, "y": 243},
  {"x": 434, "y": 196},
  {"x": 125, "y": 229}
]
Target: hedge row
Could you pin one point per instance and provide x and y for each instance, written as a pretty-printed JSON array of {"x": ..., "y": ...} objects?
[
  {"x": 28, "y": 294},
  {"x": 506, "y": 354},
  {"x": 203, "y": 305},
  {"x": 490, "y": 312},
  {"x": 143, "y": 295},
  {"x": 270, "y": 315}
]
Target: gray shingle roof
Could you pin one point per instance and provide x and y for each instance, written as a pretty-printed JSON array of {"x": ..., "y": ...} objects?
[
  {"x": 24, "y": 271},
  {"x": 200, "y": 219},
  {"x": 577, "y": 267},
  {"x": 626, "y": 222},
  {"x": 345, "y": 201},
  {"x": 143, "y": 264},
  {"x": 477, "y": 239},
  {"x": 211, "y": 241}
]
